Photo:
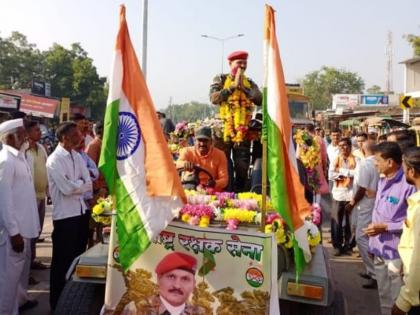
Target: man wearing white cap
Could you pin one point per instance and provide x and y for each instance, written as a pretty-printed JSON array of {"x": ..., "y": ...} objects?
[{"x": 19, "y": 221}]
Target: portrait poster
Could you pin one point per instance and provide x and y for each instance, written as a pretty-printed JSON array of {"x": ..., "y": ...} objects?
[{"x": 236, "y": 273}]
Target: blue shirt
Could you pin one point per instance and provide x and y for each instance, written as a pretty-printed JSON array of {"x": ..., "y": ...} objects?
[
  {"x": 93, "y": 172},
  {"x": 390, "y": 208}
]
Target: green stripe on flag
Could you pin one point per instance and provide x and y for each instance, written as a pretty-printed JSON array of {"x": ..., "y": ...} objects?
[
  {"x": 108, "y": 158},
  {"x": 277, "y": 177},
  {"x": 132, "y": 236}
]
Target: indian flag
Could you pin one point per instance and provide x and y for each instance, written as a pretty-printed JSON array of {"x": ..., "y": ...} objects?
[
  {"x": 135, "y": 159},
  {"x": 287, "y": 193}
]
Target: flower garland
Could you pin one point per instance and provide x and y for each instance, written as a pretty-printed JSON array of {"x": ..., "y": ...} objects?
[
  {"x": 310, "y": 155},
  {"x": 234, "y": 216},
  {"x": 179, "y": 138},
  {"x": 258, "y": 198},
  {"x": 102, "y": 211},
  {"x": 197, "y": 214},
  {"x": 236, "y": 113}
]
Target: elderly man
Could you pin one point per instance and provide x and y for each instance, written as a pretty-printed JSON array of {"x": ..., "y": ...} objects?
[
  {"x": 69, "y": 180},
  {"x": 206, "y": 156},
  {"x": 19, "y": 220},
  {"x": 231, "y": 91}
]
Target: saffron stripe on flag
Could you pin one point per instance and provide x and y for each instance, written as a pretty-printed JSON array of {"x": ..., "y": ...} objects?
[
  {"x": 135, "y": 159},
  {"x": 287, "y": 193}
]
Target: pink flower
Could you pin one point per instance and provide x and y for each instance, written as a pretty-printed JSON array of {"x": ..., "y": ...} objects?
[
  {"x": 194, "y": 220},
  {"x": 232, "y": 224}
]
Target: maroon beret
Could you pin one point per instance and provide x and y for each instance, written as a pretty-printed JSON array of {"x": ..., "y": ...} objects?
[
  {"x": 238, "y": 55},
  {"x": 177, "y": 260}
]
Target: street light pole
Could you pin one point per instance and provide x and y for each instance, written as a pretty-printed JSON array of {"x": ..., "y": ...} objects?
[
  {"x": 222, "y": 41},
  {"x": 144, "y": 39}
]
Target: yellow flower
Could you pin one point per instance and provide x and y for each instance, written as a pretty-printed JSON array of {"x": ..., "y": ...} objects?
[
  {"x": 289, "y": 243},
  {"x": 204, "y": 221},
  {"x": 280, "y": 237},
  {"x": 98, "y": 209},
  {"x": 241, "y": 215},
  {"x": 185, "y": 217},
  {"x": 268, "y": 229},
  {"x": 314, "y": 240}
]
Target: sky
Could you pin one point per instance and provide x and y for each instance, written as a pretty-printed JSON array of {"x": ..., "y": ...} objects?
[{"x": 181, "y": 64}]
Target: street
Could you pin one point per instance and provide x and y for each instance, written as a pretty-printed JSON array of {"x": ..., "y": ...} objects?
[{"x": 345, "y": 270}]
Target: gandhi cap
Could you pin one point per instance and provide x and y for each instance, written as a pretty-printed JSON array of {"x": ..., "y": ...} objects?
[
  {"x": 177, "y": 260},
  {"x": 9, "y": 125}
]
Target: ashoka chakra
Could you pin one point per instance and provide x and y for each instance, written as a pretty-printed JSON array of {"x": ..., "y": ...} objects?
[{"x": 129, "y": 135}]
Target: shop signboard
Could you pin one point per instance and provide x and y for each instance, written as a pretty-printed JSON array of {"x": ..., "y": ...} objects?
[
  {"x": 374, "y": 100},
  {"x": 8, "y": 102},
  {"x": 345, "y": 101},
  {"x": 38, "y": 106}
]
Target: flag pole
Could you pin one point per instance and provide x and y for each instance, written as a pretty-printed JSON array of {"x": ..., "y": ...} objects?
[{"x": 264, "y": 183}]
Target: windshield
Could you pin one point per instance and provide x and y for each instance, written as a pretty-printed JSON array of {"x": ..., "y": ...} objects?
[{"x": 298, "y": 109}]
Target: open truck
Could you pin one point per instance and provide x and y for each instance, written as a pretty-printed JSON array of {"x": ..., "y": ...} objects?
[{"x": 313, "y": 293}]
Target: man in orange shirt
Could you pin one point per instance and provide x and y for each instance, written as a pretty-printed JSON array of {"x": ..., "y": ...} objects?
[{"x": 206, "y": 156}]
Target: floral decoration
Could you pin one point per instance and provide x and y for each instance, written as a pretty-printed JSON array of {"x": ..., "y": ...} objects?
[
  {"x": 310, "y": 154},
  {"x": 102, "y": 211}
]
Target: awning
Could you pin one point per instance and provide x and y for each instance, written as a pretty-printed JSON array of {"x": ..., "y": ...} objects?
[
  {"x": 350, "y": 122},
  {"x": 38, "y": 106}
]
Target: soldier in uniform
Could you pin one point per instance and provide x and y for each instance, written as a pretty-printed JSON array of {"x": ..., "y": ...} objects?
[
  {"x": 229, "y": 91},
  {"x": 176, "y": 280}
]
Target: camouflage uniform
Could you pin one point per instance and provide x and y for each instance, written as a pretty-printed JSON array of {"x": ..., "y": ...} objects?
[
  {"x": 157, "y": 308},
  {"x": 240, "y": 151}
]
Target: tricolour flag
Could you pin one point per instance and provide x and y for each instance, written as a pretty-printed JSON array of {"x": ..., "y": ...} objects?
[
  {"x": 287, "y": 193},
  {"x": 135, "y": 159}
]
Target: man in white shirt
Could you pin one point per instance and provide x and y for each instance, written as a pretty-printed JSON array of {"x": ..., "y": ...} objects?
[
  {"x": 342, "y": 192},
  {"x": 19, "y": 221},
  {"x": 68, "y": 180},
  {"x": 333, "y": 150}
]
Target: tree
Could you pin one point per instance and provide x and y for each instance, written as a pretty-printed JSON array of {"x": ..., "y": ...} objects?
[
  {"x": 190, "y": 112},
  {"x": 374, "y": 89},
  {"x": 320, "y": 85},
  {"x": 414, "y": 41},
  {"x": 19, "y": 61},
  {"x": 70, "y": 72}
]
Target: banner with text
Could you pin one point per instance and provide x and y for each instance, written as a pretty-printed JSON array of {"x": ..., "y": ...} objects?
[{"x": 236, "y": 273}]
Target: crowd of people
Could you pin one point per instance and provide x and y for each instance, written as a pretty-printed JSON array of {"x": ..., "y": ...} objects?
[
  {"x": 373, "y": 203},
  {"x": 28, "y": 175},
  {"x": 367, "y": 183}
]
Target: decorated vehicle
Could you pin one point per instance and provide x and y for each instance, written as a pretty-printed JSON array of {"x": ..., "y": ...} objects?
[{"x": 197, "y": 251}]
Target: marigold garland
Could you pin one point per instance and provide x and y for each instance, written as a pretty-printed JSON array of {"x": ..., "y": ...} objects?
[
  {"x": 242, "y": 215},
  {"x": 310, "y": 155},
  {"x": 236, "y": 113}
]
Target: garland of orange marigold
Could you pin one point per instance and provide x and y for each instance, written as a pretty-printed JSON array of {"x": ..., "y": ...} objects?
[
  {"x": 236, "y": 113},
  {"x": 310, "y": 155}
]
